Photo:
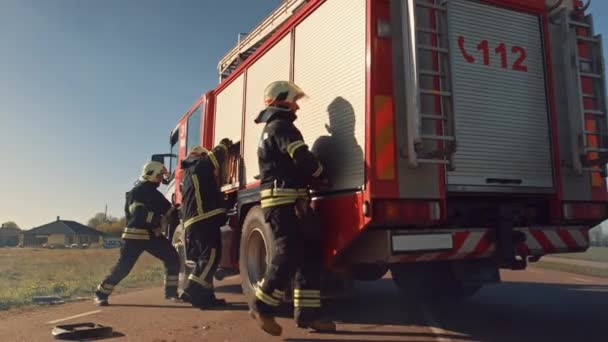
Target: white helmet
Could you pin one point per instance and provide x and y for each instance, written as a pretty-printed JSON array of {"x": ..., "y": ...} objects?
[
  {"x": 198, "y": 150},
  {"x": 152, "y": 170},
  {"x": 283, "y": 95}
]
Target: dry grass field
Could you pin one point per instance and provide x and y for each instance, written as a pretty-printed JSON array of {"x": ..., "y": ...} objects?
[{"x": 69, "y": 273}]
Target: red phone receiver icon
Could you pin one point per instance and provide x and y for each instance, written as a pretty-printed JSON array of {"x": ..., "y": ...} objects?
[{"x": 467, "y": 57}]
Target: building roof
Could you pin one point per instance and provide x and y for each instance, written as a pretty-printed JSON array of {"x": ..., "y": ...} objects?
[
  {"x": 6, "y": 231},
  {"x": 63, "y": 227}
]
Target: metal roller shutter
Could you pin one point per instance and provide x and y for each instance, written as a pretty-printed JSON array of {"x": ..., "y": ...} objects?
[
  {"x": 330, "y": 66},
  {"x": 273, "y": 66},
  {"x": 501, "y": 112},
  {"x": 229, "y": 112}
]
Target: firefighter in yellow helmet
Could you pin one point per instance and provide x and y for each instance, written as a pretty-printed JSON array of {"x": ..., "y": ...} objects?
[
  {"x": 287, "y": 170},
  {"x": 204, "y": 212},
  {"x": 145, "y": 209}
]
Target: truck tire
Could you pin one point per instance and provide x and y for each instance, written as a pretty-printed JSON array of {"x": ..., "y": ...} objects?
[
  {"x": 256, "y": 250},
  {"x": 430, "y": 282}
]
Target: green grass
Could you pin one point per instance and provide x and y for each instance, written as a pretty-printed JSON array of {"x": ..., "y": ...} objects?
[
  {"x": 25, "y": 273},
  {"x": 589, "y": 271},
  {"x": 593, "y": 254}
]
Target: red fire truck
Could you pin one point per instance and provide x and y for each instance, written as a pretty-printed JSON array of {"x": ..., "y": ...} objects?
[{"x": 461, "y": 136}]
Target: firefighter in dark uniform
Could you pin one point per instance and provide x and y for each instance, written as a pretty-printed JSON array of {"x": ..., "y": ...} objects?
[
  {"x": 287, "y": 170},
  {"x": 146, "y": 210},
  {"x": 204, "y": 212}
]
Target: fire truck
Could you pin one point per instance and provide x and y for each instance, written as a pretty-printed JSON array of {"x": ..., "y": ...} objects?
[{"x": 461, "y": 137}]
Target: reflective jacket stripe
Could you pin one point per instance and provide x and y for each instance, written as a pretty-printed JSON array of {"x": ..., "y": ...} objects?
[{"x": 207, "y": 215}]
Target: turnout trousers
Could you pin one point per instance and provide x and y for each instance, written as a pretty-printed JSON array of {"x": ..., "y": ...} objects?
[
  {"x": 204, "y": 247},
  {"x": 298, "y": 256},
  {"x": 130, "y": 251}
]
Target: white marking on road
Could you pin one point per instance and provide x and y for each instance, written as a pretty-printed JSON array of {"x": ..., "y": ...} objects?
[
  {"x": 434, "y": 326},
  {"x": 581, "y": 280},
  {"x": 75, "y": 316}
]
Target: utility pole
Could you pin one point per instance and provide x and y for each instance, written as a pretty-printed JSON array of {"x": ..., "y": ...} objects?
[{"x": 105, "y": 214}]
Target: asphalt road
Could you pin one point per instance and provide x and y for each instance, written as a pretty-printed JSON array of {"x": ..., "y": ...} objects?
[{"x": 533, "y": 305}]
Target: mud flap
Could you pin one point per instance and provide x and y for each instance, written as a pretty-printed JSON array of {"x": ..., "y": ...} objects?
[{"x": 506, "y": 238}]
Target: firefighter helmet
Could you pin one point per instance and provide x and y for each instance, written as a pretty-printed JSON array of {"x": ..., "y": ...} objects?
[
  {"x": 283, "y": 95},
  {"x": 153, "y": 172},
  {"x": 197, "y": 150}
]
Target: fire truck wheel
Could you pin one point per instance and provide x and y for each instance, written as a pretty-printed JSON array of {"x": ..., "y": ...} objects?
[
  {"x": 256, "y": 250},
  {"x": 430, "y": 283}
]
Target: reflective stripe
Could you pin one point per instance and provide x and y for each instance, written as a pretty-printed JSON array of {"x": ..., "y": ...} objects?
[
  {"x": 278, "y": 294},
  {"x": 150, "y": 216},
  {"x": 135, "y": 236},
  {"x": 201, "y": 282},
  {"x": 107, "y": 286},
  {"x": 278, "y": 192},
  {"x": 303, "y": 304},
  {"x": 209, "y": 264},
  {"x": 291, "y": 148},
  {"x": 172, "y": 277},
  {"x": 135, "y": 205},
  {"x": 197, "y": 195},
  {"x": 170, "y": 283},
  {"x": 273, "y": 202},
  {"x": 259, "y": 294},
  {"x": 136, "y": 231},
  {"x": 307, "y": 293},
  {"x": 319, "y": 171},
  {"x": 104, "y": 291},
  {"x": 198, "y": 218},
  {"x": 213, "y": 160}
]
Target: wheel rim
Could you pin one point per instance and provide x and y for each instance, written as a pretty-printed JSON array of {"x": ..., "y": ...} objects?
[{"x": 256, "y": 256}]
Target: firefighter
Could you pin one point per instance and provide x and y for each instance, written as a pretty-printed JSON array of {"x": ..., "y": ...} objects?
[
  {"x": 146, "y": 210},
  {"x": 287, "y": 169},
  {"x": 204, "y": 212}
]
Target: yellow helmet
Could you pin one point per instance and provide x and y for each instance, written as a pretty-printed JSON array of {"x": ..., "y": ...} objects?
[
  {"x": 283, "y": 95},
  {"x": 152, "y": 170}
]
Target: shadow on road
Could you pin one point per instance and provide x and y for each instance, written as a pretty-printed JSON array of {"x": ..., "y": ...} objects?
[
  {"x": 507, "y": 312},
  {"x": 115, "y": 334},
  {"x": 512, "y": 311},
  {"x": 520, "y": 311}
]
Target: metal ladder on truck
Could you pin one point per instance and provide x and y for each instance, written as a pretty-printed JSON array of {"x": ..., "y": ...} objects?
[
  {"x": 585, "y": 75},
  {"x": 259, "y": 35},
  {"x": 431, "y": 138}
]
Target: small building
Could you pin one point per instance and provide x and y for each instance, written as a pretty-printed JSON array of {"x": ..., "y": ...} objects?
[
  {"x": 61, "y": 233},
  {"x": 110, "y": 241},
  {"x": 9, "y": 237}
]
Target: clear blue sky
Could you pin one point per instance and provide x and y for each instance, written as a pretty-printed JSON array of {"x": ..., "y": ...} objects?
[{"x": 90, "y": 89}]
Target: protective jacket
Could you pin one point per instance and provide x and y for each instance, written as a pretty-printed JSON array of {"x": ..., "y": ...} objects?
[
  {"x": 145, "y": 206},
  {"x": 286, "y": 165},
  {"x": 201, "y": 195}
]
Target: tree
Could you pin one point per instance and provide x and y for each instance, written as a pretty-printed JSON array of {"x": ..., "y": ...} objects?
[
  {"x": 10, "y": 224},
  {"x": 100, "y": 219},
  {"x": 113, "y": 228}
]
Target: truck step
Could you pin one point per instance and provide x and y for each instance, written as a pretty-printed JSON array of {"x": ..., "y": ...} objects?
[{"x": 433, "y": 49}]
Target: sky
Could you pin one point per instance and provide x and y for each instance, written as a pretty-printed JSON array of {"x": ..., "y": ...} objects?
[{"x": 90, "y": 89}]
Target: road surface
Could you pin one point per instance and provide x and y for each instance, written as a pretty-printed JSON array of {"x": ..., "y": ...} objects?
[{"x": 533, "y": 305}]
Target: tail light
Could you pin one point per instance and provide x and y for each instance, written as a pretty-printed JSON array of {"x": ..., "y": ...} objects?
[
  {"x": 585, "y": 211},
  {"x": 408, "y": 212}
]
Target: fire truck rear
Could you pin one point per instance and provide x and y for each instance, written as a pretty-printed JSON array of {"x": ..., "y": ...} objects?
[{"x": 461, "y": 136}]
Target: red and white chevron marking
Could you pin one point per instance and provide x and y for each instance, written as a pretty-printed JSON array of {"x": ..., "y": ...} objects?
[{"x": 477, "y": 244}]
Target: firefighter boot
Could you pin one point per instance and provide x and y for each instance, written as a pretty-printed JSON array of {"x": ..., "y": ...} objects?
[
  {"x": 171, "y": 294},
  {"x": 267, "y": 323},
  {"x": 101, "y": 299}
]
